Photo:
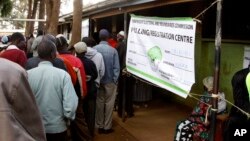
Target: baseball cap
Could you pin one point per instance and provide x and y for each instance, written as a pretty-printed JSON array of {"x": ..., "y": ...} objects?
[
  {"x": 4, "y": 40},
  {"x": 121, "y": 33},
  {"x": 80, "y": 47}
]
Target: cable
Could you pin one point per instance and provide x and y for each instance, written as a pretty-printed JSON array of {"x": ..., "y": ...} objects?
[
  {"x": 192, "y": 95},
  {"x": 205, "y": 10}
]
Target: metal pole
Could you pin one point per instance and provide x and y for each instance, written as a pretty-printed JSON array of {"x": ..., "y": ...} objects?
[
  {"x": 124, "y": 79},
  {"x": 216, "y": 69}
]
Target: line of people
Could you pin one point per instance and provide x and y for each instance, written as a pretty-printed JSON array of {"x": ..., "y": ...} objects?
[{"x": 60, "y": 90}]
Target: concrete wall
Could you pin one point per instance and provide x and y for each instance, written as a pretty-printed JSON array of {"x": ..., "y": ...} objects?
[{"x": 231, "y": 62}]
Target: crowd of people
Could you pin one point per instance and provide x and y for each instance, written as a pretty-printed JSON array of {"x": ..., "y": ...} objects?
[{"x": 57, "y": 92}]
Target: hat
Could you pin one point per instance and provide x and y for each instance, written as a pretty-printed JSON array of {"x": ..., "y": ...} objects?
[
  {"x": 208, "y": 82},
  {"x": 121, "y": 33},
  {"x": 4, "y": 40},
  {"x": 60, "y": 35},
  {"x": 80, "y": 47},
  {"x": 103, "y": 33}
]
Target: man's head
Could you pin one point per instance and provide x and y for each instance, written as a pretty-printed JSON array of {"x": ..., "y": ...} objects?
[
  {"x": 90, "y": 42},
  {"x": 208, "y": 83},
  {"x": 120, "y": 36},
  {"x": 80, "y": 48},
  {"x": 31, "y": 36},
  {"x": 61, "y": 43},
  {"x": 51, "y": 37},
  {"x": 103, "y": 34},
  {"x": 16, "y": 38},
  {"x": 22, "y": 45},
  {"x": 40, "y": 32},
  {"x": 47, "y": 49}
]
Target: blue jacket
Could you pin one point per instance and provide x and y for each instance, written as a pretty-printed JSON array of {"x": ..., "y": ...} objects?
[
  {"x": 55, "y": 96},
  {"x": 111, "y": 62}
]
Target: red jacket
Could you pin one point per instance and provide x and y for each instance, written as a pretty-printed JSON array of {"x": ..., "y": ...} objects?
[
  {"x": 14, "y": 54},
  {"x": 79, "y": 69},
  {"x": 70, "y": 69},
  {"x": 112, "y": 42}
]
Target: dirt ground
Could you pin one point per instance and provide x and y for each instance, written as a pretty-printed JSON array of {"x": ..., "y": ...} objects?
[{"x": 156, "y": 122}]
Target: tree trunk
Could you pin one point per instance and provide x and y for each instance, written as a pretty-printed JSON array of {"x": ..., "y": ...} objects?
[
  {"x": 41, "y": 14},
  {"x": 48, "y": 7},
  {"x": 33, "y": 16},
  {"x": 28, "y": 17},
  {"x": 77, "y": 22},
  {"x": 52, "y": 12},
  {"x": 5, "y": 7}
]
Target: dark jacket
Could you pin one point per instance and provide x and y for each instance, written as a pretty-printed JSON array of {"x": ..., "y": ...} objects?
[
  {"x": 19, "y": 115},
  {"x": 237, "y": 120},
  {"x": 34, "y": 61},
  {"x": 90, "y": 70},
  {"x": 121, "y": 50}
]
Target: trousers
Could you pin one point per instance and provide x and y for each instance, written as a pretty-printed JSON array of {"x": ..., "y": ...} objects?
[
  {"x": 105, "y": 104},
  {"x": 57, "y": 136}
]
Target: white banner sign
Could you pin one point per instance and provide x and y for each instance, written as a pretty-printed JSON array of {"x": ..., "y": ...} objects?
[{"x": 161, "y": 51}]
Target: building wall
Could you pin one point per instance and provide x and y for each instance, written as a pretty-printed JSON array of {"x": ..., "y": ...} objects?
[{"x": 231, "y": 61}]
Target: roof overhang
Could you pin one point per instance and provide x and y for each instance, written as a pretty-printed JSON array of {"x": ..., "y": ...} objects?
[{"x": 116, "y": 7}]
